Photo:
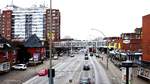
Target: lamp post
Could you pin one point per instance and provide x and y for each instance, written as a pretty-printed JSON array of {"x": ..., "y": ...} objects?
[
  {"x": 50, "y": 45},
  {"x": 68, "y": 47},
  {"x": 107, "y": 51}
]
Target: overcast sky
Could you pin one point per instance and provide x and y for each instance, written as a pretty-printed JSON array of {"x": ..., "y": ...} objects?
[{"x": 112, "y": 17}]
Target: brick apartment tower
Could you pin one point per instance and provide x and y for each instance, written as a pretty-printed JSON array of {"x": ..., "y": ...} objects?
[
  {"x": 55, "y": 23},
  {"x": 0, "y": 22},
  {"x": 146, "y": 38},
  {"x": 6, "y": 24}
]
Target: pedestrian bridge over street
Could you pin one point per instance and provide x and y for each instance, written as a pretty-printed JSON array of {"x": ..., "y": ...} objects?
[{"x": 79, "y": 44}]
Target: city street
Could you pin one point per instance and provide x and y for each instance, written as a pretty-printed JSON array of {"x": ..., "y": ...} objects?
[
  {"x": 100, "y": 74},
  {"x": 17, "y": 77},
  {"x": 68, "y": 70},
  {"x": 74, "y": 42},
  {"x": 72, "y": 69}
]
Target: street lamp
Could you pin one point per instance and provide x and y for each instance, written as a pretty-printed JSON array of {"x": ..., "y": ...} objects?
[
  {"x": 50, "y": 46},
  {"x": 107, "y": 51}
]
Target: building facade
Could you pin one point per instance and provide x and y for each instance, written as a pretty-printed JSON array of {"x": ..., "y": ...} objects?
[
  {"x": 18, "y": 24},
  {"x": 6, "y": 22},
  {"x": 0, "y": 22},
  {"x": 28, "y": 21},
  {"x": 138, "y": 31},
  {"x": 7, "y": 55},
  {"x": 131, "y": 42},
  {"x": 146, "y": 38},
  {"x": 55, "y": 23}
]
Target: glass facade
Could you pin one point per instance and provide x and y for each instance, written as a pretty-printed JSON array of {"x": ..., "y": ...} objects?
[{"x": 28, "y": 21}]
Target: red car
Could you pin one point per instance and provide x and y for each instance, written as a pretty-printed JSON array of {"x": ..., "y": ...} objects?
[{"x": 43, "y": 72}]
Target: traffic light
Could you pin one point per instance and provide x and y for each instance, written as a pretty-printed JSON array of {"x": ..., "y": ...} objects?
[{"x": 53, "y": 72}]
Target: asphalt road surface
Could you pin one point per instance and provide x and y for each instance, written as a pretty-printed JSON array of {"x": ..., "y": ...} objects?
[
  {"x": 72, "y": 69},
  {"x": 18, "y": 77}
]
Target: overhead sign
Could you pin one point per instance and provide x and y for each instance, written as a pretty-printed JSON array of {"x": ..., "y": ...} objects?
[{"x": 126, "y": 41}]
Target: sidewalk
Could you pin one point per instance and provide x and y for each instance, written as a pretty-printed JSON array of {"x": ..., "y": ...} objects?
[{"x": 115, "y": 74}]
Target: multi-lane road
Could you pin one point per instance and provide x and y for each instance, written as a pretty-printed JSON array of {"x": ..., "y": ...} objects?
[
  {"x": 18, "y": 77},
  {"x": 72, "y": 69}
]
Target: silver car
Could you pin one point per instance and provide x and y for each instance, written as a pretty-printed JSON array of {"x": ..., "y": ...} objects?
[{"x": 19, "y": 67}]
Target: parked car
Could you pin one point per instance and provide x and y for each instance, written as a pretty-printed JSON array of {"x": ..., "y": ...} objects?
[
  {"x": 43, "y": 72},
  {"x": 55, "y": 57},
  {"x": 19, "y": 67},
  {"x": 86, "y": 67}
]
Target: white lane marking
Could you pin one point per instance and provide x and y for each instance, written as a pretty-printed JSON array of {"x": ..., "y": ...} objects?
[
  {"x": 57, "y": 66},
  {"x": 60, "y": 72},
  {"x": 67, "y": 70},
  {"x": 95, "y": 71},
  {"x": 74, "y": 72},
  {"x": 38, "y": 78},
  {"x": 31, "y": 80},
  {"x": 43, "y": 81},
  {"x": 105, "y": 79}
]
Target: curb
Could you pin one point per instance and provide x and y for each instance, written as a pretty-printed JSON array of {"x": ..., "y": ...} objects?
[{"x": 111, "y": 74}]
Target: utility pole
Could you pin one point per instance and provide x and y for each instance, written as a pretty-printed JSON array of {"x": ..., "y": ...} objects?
[
  {"x": 71, "y": 46},
  {"x": 50, "y": 46},
  {"x": 107, "y": 52},
  {"x": 68, "y": 47}
]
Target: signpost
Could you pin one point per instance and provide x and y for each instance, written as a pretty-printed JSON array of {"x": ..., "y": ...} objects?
[{"x": 127, "y": 72}]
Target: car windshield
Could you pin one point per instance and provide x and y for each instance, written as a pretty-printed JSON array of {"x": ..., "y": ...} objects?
[
  {"x": 84, "y": 80},
  {"x": 19, "y": 65}
]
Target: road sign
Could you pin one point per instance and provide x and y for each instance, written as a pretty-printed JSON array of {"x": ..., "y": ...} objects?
[
  {"x": 126, "y": 41},
  {"x": 51, "y": 35}
]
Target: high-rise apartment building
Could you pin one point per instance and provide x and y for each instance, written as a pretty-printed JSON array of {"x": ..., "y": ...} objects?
[
  {"x": 18, "y": 24},
  {"x": 0, "y": 22},
  {"x": 6, "y": 22},
  {"x": 28, "y": 21},
  {"x": 55, "y": 23}
]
